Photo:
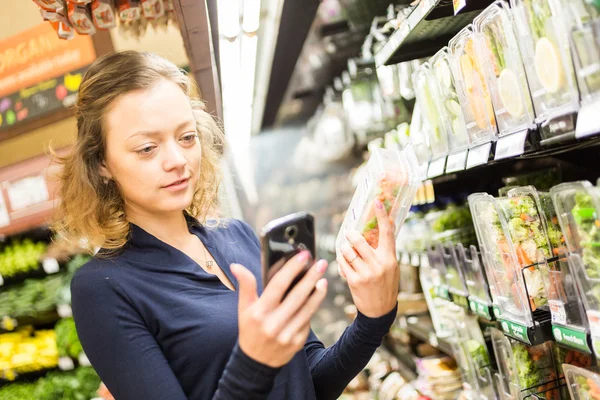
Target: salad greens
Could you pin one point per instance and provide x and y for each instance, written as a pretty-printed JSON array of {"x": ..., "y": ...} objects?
[
  {"x": 588, "y": 388},
  {"x": 495, "y": 44},
  {"x": 67, "y": 340},
  {"x": 586, "y": 218},
  {"x": 538, "y": 12},
  {"x": 478, "y": 353},
  {"x": 535, "y": 368}
]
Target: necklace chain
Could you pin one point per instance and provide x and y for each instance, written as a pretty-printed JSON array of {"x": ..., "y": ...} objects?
[{"x": 207, "y": 263}]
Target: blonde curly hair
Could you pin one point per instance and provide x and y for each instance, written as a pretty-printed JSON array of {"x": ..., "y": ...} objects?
[{"x": 94, "y": 211}]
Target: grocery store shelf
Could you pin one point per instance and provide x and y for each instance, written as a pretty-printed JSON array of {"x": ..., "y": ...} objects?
[
  {"x": 406, "y": 364},
  {"x": 422, "y": 329},
  {"x": 427, "y": 29}
]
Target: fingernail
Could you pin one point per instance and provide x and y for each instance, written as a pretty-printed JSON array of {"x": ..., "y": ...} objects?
[
  {"x": 322, "y": 266},
  {"x": 378, "y": 204},
  {"x": 304, "y": 256},
  {"x": 321, "y": 284}
]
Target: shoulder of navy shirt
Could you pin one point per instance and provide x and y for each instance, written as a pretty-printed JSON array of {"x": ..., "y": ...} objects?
[{"x": 157, "y": 326}]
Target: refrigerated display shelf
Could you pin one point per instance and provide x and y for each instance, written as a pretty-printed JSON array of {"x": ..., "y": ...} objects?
[
  {"x": 422, "y": 329},
  {"x": 406, "y": 365},
  {"x": 427, "y": 29}
]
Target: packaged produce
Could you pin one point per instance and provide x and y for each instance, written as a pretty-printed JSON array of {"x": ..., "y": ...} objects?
[
  {"x": 586, "y": 54},
  {"x": 428, "y": 96},
  {"x": 103, "y": 14},
  {"x": 577, "y": 205},
  {"x": 502, "y": 66},
  {"x": 473, "y": 91},
  {"x": 81, "y": 19},
  {"x": 429, "y": 278},
  {"x": 49, "y": 5},
  {"x": 525, "y": 370},
  {"x": 417, "y": 137},
  {"x": 129, "y": 10},
  {"x": 583, "y": 384},
  {"x": 454, "y": 276},
  {"x": 153, "y": 9},
  {"x": 543, "y": 27},
  {"x": 480, "y": 300},
  {"x": 458, "y": 137},
  {"x": 391, "y": 177}
]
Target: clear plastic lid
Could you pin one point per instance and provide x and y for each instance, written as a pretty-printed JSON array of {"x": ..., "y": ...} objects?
[
  {"x": 428, "y": 96},
  {"x": 390, "y": 176},
  {"x": 586, "y": 54},
  {"x": 458, "y": 137},
  {"x": 475, "y": 280},
  {"x": 435, "y": 255},
  {"x": 583, "y": 384},
  {"x": 454, "y": 276},
  {"x": 502, "y": 66},
  {"x": 428, "y": 275},
  {"x": 502, "y": 266},
  {"x": 543, "y": 34},
  {"x": 525, "y": 370},
  {"x": 472, "y": 88}
]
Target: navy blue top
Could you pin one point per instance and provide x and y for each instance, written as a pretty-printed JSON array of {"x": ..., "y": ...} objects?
[{"x": 156, "y": 326}]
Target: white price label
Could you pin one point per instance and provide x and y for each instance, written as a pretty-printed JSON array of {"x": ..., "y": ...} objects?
[
  {"x": 1, "y": 280},
  {"x": 83, "y": 360},
  {"x": 405, "y": 259},
  {"x": 594, "y": 320},
  {"x": 478, "y": 155},
  {"x": 511, "y": 146},
  {"x": 559, "y": 314},
  {"x": 587, "y": 120},
  {"x": 64, "y": 310},
  {"x": 4, "y": 217},
  {"x": 456, "y": 161},
  {"x": 66, "y": 364},
  {"x": 414, "y": 259},
  {"x": 424, "y": 260},
  {"x": 50, "y": 266},
  {"x": 436, "y": 167},
  {"x": 27, "y": 192},
  {"x": 433, "y": 340}
]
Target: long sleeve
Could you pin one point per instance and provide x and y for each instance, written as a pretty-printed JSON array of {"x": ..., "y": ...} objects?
[
  {"x": 129, "y": 360},
  {"x": 334, "y": 367}
]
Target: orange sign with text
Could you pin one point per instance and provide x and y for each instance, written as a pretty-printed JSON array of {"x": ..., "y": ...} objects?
[{"x": 38, "y": 54}]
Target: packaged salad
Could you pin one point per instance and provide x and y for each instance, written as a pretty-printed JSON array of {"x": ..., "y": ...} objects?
[
  {"x": 583, "y": 384},
  {"x": 454, "y": 276},
  {"x": 502, "y": 65},
  {"x": 473, "y": 91},
  {"x": 543, "y": 34},
  {"x": 434, "y": 115},
  {"x": 458, "y": 137},
  {"x": 525, "y": 370},
  {"x": 429, "y": 278},
  {"x": 390, "y": 176},
  {"x": 480, "y": 300}
]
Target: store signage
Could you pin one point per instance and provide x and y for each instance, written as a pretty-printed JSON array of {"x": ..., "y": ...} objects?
[
  {"x": 571, "y": 338},
  {"x": 516, "y": 331},
  {"x": 479, "y": 155},
  {"x": 559, "y": 314},
  {"x": 511, "y": 145},
  {"x": 436, "y": 167},
  {"x": 456, "y": 162},
  {"x": 480, "y": 308},
  {"x": 497, "y": 312},
  {"x": 460, "y": 300}
]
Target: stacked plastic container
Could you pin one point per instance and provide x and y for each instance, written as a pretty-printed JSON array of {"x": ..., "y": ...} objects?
[
  {"x": 502, "y": 66},
  {"x": 480, "y": 300},
  {"x": 583, "y": 384}
]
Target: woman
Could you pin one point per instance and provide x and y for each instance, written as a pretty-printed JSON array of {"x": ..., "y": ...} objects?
[{"x": 166, "y": 310}]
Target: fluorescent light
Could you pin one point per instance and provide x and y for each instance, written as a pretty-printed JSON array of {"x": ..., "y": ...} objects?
[
  {"x": 251, "y": 16},
  {"x": 229, "y": 24},
  {"x": 230, "y": 67},
  {"x": 248, "y": 65}
]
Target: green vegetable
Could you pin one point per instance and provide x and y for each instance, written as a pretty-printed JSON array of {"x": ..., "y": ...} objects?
[
  {"x": 538, "y": 12},
  {"x": 80, "y": 384},
  {"x": 66, "y": 338},
  {"x": 478, "y": 353},
  {"x": 18, "y": 391}
]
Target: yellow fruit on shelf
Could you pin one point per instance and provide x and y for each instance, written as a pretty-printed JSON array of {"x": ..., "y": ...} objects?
[{"x": 72, "y": 82}]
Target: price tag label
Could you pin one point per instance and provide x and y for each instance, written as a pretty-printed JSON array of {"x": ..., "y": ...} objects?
[
  {"x": 66, "y": 364},
  {"x": 4, "y": 217},
  {"x": 64, "y": 310},
  {"x": 27, "y": 192},
  {"x": 559, "y": 314},
  {"x": 433, "y": 340},
  {"x": 414, "y": 259},
  {"x": 594, "y": 320},
  {"x": 1, "y": 280},
  {"x": 405, "y": 259},
  {"x": 587, "y": 120},
  {"x": 436, "y": 167},
  {"x": 424, "y": 261},
  {"x": 50, "y": 266},
  {"x": 83, "y": 360},
  {"x": 456, "y": 162},
  {"x": 479, "y": 155},
  {"x": 511, "y": 146}
]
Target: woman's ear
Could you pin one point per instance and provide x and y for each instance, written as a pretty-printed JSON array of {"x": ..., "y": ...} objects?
[{"x": 104, "y": 172}]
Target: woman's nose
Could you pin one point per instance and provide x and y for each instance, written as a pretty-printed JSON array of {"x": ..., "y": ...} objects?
[{"x": 174, "y": 157}]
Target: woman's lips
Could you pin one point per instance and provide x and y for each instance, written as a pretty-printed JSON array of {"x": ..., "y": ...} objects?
[{"x": 179, "y": 185}]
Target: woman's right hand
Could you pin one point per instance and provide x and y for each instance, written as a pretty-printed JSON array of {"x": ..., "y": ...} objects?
[{"x": 272, "y": 331}]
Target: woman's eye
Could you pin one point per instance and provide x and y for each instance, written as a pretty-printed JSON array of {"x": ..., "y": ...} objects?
[
  {"x": 189, "y": 138},
  {"x": 145, "y": 150}
]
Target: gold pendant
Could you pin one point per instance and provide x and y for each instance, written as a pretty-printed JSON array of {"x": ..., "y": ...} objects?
[{"x": 209, "y": 264}]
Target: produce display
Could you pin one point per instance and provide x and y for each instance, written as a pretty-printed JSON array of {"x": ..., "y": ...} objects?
[
  {"x": 428, "y": 96},
  {"x": 79, "y": 384},
  {"x": 586, "y": 54},
  {"x": 33, "y": 296},
  {"x": 454, "y": 278},
  {"x": 458, "y": 137},
  {"x": 473, "y": 91},
  {"x": 582, "y": 384},
  {"x": 26, "y": 350},
  {"x": 390, "y": 176},
  {"x": 20, "y": 257},
  {"x": 543, "y": 28},
  {"x": 503, "y": 67},
  {"x": 66, "y": 338},
  {"x": 477, "y": 285}
]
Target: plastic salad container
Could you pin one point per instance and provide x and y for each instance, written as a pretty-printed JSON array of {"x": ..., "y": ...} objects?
[
  {"x": 429, "y": 280},
  {"x": 502, "y": 66},
  {"x": 586, "y": 54},
  {"x": 480, "y": 300},
  {"x": 390, "y": 176},
  {"x": 524, "y": 370},
  {"x": 458, "y": 137},
  {"x": 577, "y": 206},
  {"x": 473, "y": 92},
  {"x": 434, "y": 115},
  {"x": 454, "y": 275},
  {"x": 435, "y": 254},
  {"x": 583, "y": 384},
  {"x": 543, "y": 34}
]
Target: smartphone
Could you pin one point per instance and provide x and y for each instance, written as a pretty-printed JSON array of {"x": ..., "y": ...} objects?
[{"x": 282, "y": 239}]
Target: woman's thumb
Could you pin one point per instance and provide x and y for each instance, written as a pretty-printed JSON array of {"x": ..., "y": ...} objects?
[{"x": 247, "y": 286}]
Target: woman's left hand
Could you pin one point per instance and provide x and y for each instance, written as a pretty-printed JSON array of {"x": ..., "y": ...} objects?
[{"x": 373, "y": 274}]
